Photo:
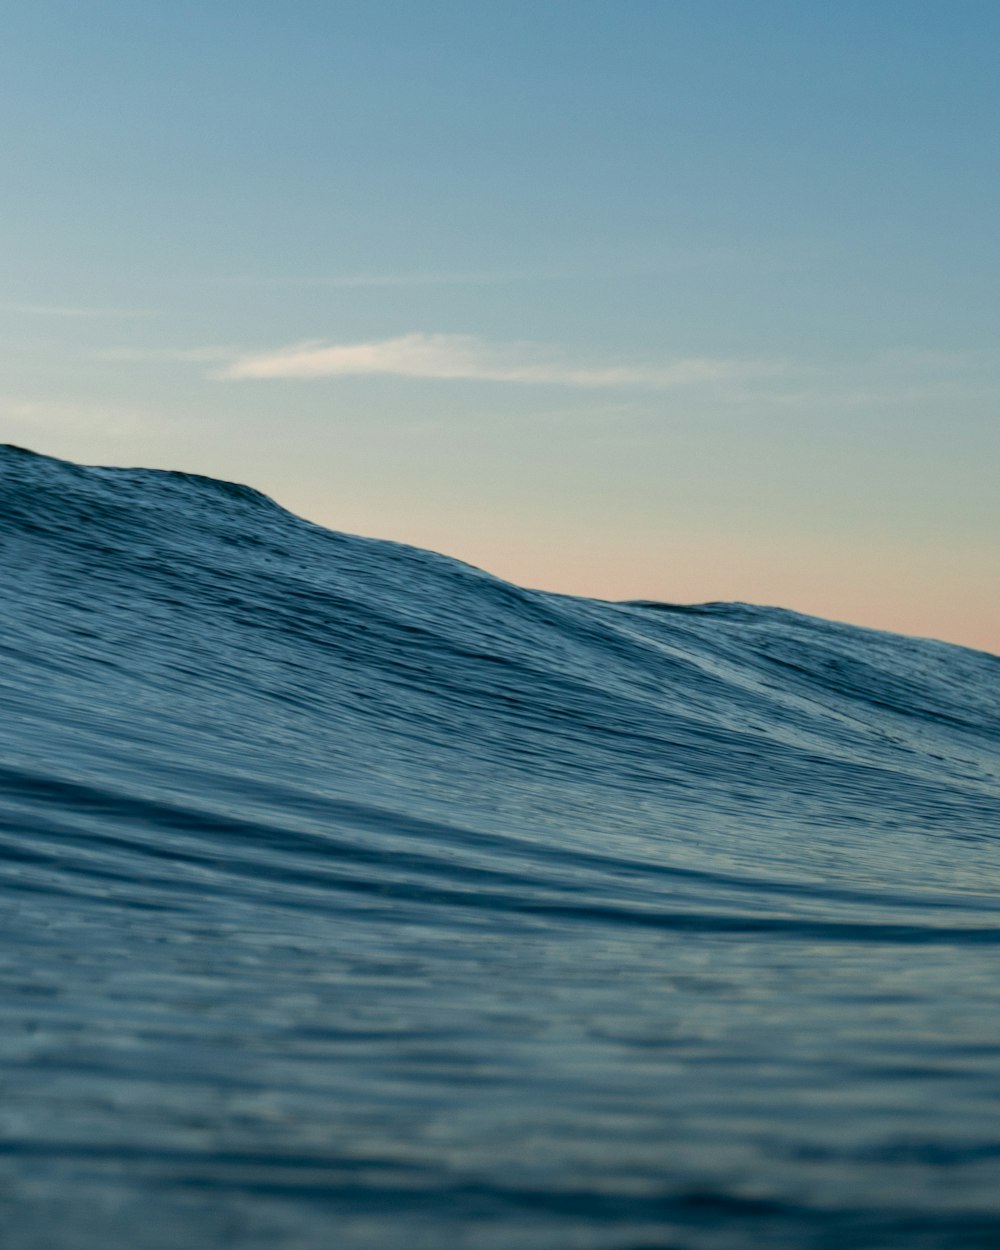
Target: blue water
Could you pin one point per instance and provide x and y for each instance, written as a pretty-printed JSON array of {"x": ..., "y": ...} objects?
[{"x": 353, "y": 898}]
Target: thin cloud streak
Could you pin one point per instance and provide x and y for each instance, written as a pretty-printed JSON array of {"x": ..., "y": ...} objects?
[
  {"x": 376, "y": 280},
  {"x": 46, "y": 417},
  {"x": 70, "y": 310},
  {"x": 459, "y": 356},
  {"x": 658, "y": 261},
  {"x": 183, "y": 355}
]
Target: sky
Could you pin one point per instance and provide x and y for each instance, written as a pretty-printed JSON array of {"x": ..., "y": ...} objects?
[{"x": 687, "y": 301}]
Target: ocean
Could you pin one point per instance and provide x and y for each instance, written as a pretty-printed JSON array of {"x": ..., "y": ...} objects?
[{"x": 354, "y": 898}]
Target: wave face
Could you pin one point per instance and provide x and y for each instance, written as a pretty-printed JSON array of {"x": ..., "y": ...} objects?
[{"x": 352, "y": 897}]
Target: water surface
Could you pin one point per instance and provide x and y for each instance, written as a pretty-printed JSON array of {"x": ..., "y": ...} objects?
[{"x": 353, "y": 897}]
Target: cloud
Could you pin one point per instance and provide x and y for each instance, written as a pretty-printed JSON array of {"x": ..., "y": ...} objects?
[
  {"x": 390, "y": 280},
  {"x": 71, "y": 310},
  {"x": 57, "y": 417},
  {"x": 460, "y": 356},
  {"x": 657, "y": 261},
  {"x": 183, "y": 355}
]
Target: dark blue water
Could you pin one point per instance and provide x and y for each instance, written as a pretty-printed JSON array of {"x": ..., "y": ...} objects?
[{"x": 353, "y": 898}]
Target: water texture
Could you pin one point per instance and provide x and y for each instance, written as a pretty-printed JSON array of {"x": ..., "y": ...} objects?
[{"x": 351, "y": 897}]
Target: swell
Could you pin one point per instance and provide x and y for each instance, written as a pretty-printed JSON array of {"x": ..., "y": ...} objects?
[
  {"x": 344, "y": 885},
  {"x": 104, "y": 842},
  {"x": 166, "y": 621}
]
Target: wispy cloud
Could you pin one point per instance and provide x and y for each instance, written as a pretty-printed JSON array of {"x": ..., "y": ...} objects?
[
  {"x": 43, "y": 416},
  {"x": 69, "y": 310},
  {"x": 349, "y": 281},
  {"x": 647, "y": 264},
  {"x": 182, "y": 355},
  {"x": 460, "y": 356}
]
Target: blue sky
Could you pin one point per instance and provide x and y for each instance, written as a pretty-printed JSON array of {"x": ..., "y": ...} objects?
[{"x": 668, "y": 300}]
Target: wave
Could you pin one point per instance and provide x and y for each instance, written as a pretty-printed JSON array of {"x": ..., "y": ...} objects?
[{"x": 345, "y": 882}]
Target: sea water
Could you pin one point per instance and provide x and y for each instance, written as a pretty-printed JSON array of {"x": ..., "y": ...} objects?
[{"x": 353, "y": 898}]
